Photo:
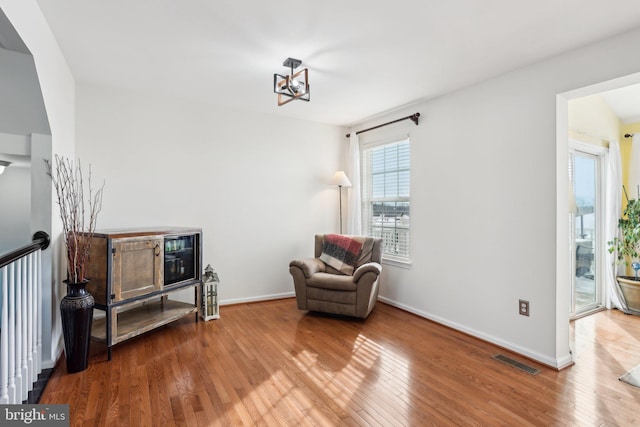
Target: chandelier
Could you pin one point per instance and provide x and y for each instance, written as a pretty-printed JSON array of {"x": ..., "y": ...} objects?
[{"x": 294, "y": 85}]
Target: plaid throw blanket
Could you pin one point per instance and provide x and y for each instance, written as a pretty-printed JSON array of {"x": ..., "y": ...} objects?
[{"x": 341, "y": 252}]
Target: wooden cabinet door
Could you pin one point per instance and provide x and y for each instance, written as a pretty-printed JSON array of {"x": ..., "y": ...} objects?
[{"x": 137, "y": 267}]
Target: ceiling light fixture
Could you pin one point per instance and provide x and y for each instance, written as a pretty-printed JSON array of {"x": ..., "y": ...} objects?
[
  {"x": 294, "y": 85},
  {"x": 3, "y": 165}
]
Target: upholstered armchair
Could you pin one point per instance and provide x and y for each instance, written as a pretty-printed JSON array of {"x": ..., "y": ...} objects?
[{"x": 343, "y": 278}]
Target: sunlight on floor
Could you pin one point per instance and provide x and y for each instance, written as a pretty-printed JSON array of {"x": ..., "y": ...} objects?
[
  {"x": 586, "y": 328},
  {"x": 349, "y": 385},
  {"x": 601, "y": 337}
]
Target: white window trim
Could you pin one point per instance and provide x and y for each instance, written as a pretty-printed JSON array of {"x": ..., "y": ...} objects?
[{"x": 402, "y": 263}]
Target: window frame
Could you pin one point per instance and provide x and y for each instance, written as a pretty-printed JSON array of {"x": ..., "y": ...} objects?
[{"x": 367, "y": 198}]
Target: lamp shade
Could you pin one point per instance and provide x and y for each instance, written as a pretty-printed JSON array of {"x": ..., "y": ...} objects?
[{"x": 340, "y": 179}]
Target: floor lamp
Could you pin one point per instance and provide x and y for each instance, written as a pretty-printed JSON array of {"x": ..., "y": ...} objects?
[{"x": 341, "y": 180}]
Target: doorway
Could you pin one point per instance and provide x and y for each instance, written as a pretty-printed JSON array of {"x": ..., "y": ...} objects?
[{"x": 586, "y": 173}]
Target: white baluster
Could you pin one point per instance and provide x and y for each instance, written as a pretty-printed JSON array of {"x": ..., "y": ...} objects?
[
  {"x": 21, "y": 329},
  {"x": 11, "y": 332},
  {"x": 38, "y": 312},
  {"x": 30, "y": 312},
  {"x": 25, "y": 335},
  {"x": 17, "y": 285},
  {"x": 4, "y": 339}
]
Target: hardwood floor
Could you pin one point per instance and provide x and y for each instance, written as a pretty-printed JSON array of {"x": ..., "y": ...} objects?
[{"x": 270, "y": 364}]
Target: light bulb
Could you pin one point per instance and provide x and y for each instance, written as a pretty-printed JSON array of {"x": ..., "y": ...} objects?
[{"x": 294, "y": 85}]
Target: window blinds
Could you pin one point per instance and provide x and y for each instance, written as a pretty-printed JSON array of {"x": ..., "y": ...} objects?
[{"x": 386, "y": 196}]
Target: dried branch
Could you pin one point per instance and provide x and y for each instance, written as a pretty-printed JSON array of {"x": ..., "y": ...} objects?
[{"x": 73, "y": 202}]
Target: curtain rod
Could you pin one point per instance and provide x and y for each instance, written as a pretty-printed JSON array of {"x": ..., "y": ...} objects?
[
  {"x": 413, "y": 117},
  {"x": 628, "y": 135}
]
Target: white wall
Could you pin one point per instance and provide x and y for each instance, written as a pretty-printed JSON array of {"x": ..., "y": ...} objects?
[
  {"x": 486, "y": 226},
  {"x": 483, "y": 180},
  {"x": 15, "y": 192},
  {"x": 58, "y": 92},
  {"x": 256, "y": 184},
  {"x": 15, "y": 209},
  {"x": 21, "y": 113},
  {"x": 21, "y": 110}
]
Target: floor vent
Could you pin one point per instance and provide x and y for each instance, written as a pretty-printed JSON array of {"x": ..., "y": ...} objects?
[{"x": 528, "y": 369}]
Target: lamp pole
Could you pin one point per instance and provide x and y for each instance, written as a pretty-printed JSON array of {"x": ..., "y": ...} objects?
[
  {"x": 341, "y": 180},
  {"x": 340, "y": 195}
]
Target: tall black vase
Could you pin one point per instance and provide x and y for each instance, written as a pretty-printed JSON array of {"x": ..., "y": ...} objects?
[{"x": 76, "y": 310}]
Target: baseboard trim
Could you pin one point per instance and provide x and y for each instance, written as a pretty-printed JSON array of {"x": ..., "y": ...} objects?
[
  {"x": 48, "y": 364},
  {"x": 557, "y": 364},
  {"x": 257, "y": 298},
  {"x": 57, "y": 352}
]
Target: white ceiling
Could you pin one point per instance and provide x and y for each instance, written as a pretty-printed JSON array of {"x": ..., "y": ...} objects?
[{"x": 364, "y": 57}]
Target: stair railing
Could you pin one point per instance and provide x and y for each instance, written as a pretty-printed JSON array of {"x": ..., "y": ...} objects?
[{"x": 20, "y": 322}]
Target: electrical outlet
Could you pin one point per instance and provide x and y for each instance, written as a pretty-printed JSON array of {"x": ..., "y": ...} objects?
[{"x": 523, "y": 306}]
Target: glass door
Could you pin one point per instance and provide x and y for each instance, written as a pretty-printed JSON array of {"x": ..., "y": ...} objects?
[
  {"x": 585, "y": 169},
  {"x": 179, "y": 259}
]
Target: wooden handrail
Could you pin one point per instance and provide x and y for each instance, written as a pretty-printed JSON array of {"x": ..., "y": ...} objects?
[{"x": 40, "y": 240}]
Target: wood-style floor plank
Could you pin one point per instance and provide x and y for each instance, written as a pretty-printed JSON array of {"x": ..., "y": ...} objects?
[{"x": 270, "y": 364}]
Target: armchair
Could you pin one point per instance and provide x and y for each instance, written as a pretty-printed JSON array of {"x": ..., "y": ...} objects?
[{"x": 349, "y": 288}]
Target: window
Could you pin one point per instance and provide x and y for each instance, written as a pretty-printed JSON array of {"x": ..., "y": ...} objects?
[{"x": 385, "y": 196}]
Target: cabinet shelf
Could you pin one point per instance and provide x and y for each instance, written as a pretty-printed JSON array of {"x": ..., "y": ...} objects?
[{"x": 143, "y": 318}]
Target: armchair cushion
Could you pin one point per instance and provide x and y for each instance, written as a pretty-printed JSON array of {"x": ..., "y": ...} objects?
[
  {"x": 338, "y": 282},
  {"x": 342, "y": 252}
]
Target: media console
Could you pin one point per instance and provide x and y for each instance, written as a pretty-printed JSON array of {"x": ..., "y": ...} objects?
[{"x": 134, "y": 276}]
